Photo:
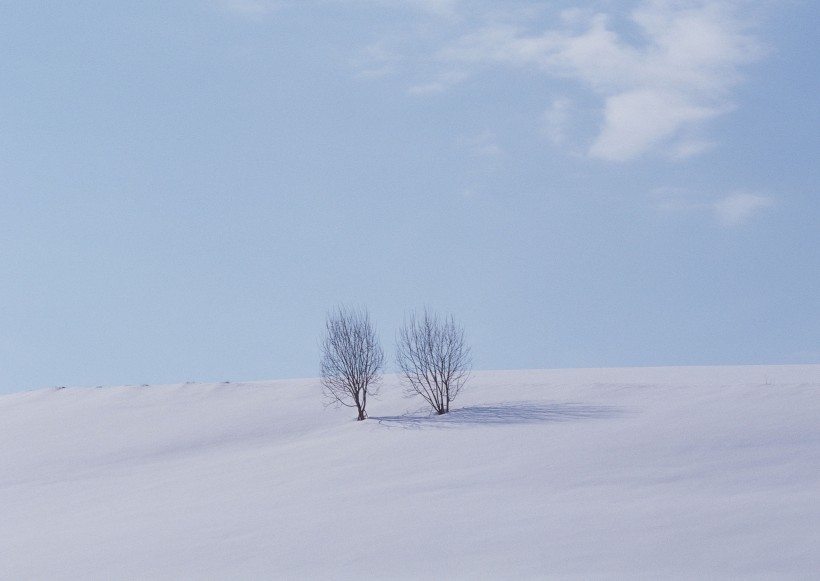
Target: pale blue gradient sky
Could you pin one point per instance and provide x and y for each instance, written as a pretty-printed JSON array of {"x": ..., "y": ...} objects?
[{"x": 187, "y": 187}]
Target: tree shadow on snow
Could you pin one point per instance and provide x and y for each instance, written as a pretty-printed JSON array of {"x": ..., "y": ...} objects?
[{"x": 503, "y": 414}]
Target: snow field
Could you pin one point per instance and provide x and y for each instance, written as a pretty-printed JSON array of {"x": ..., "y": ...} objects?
[{"x": 673, "y": 473}]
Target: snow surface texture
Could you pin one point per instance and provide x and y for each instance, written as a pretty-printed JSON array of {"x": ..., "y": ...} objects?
[{"x": 667, "y": 473}]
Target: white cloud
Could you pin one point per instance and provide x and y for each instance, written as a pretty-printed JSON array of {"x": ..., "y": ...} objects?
[
  {"x": 660, "y": 71},
  {"x": 482, "y": 145},
  {"x": 687, "y": 147},
  {"x": 443, "y": 81},
  {"x": 635, "y": 121},
  {"x": 739, "y": 207},
  {"x": 437, "y": 7},
  {"x": 252, "y": 8},
  {"x": 730, "y": 210},
  {"x": 445, "y": 8},
  {"x": 557, "y": 119},
  {"x": 654, "y": 91},
  {"x": 375, "y": 61}
]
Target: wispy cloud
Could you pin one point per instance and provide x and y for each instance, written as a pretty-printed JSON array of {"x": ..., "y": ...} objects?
[
  {"x": 441, "y": 83},
  {"x": 739, "y": 207},
  {"x": 375, "y": 60},
  {"x": 251, "y": 8},
  {"x": 659, "y": 71},
  {"x": 635, "y": 121},
  {"x": 437, "y": 7},
  {"x": 685, "y": 148},
  {"x": 483, "y": 145},
  {"x": 557, "y": 119},
  {"x": 656, "y": 91},
  {"x": 729, "y": 210}
]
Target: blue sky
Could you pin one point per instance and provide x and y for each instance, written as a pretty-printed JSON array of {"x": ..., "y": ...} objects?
[{"x": 188, "y": 187}]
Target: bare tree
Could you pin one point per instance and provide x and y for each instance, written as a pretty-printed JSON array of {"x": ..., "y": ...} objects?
[
  {"x": 433, "y": 359},
  {"x": 352, "y": 359}
]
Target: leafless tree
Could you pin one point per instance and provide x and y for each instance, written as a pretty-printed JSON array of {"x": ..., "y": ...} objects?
[
  {"x": 352, "y": 359},
  {"x": 433, "y": 359}
]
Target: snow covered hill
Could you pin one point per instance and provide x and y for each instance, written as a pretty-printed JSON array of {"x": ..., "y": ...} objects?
[{"x": 665, "y": 473}]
